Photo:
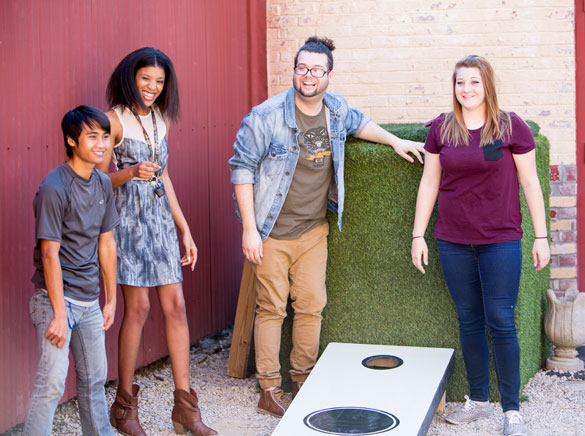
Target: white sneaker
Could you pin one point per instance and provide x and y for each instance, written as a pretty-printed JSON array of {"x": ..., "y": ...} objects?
[
  {"x": 514, "y": 424},
  {"x": 469, "y": 412}
]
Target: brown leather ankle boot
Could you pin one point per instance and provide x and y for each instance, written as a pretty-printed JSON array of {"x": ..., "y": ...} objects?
[
  {"x": 296, "y": 387},
  {"x": 187, "y": 416},
  {"x": 124, "y": 413},
  {"x": 272, "y": 402}
]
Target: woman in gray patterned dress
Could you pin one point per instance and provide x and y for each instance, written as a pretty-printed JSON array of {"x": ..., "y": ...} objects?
[{"x": 143, "y": 96}]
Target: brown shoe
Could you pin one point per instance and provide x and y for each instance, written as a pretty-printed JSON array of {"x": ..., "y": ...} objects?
[
  {"x": 296, "y": 387},
  {"x": 187, "y": 416},
  {"x": 272, "y": 402},
  {"x": 124, "y": 412}
]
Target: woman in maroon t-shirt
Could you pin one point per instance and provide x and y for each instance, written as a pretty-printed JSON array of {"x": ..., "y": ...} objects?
[{"x": 475, "y": 156}]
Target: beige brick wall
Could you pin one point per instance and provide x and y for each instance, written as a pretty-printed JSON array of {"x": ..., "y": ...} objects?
[
  {"x": 394, "y": 58},
  {"x": 394, "y": 61}
]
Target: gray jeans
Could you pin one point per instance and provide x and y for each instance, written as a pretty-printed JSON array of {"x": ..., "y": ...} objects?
[{"x": 87, "y": 343}]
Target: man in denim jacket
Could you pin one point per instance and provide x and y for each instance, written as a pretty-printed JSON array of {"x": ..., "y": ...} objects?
[{"x": 286, "y": 170}]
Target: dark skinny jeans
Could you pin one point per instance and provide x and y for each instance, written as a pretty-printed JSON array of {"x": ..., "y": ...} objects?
[{"x": 483, "y": 281}]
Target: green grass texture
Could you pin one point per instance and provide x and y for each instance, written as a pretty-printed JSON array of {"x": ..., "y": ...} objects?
[{"x": 375, "y": 294}]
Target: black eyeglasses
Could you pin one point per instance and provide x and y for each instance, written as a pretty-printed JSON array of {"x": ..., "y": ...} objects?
[{"x": 316, "y": 72}]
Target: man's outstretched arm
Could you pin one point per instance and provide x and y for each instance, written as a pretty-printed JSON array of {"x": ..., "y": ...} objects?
[{"x": 374, "y": 133}]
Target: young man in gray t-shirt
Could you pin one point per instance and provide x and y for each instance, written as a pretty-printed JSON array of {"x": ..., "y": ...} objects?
[{"x": 74, "y": 218}]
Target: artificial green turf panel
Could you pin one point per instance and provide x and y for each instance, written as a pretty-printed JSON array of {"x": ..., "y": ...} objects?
[{"x": 376, "y": 295}]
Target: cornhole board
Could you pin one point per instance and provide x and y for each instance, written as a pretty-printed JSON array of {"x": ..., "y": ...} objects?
[{"x": 397, "y": 395}]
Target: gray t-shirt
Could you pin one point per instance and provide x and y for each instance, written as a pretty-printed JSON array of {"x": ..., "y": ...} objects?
[{"x": 74, "y": 211}]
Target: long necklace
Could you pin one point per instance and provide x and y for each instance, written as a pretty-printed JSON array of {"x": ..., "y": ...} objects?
[
  {"x": 158, "y": 187},
  {"x": 153, "y": 150}
]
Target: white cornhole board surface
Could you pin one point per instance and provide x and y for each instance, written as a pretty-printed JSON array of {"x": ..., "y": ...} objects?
[{"x": 410, "y": 392}]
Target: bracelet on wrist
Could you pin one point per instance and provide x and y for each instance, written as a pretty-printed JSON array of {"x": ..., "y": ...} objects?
[
  {"x": 414, "y": 237},
  {"x": 541, "y": 237}
]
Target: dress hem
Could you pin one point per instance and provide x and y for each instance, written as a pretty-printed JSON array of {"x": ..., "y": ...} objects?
[{"x": 149, "y": 285}]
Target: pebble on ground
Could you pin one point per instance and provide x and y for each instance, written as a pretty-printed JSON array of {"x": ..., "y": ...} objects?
[{"x": 555, "y": 405}]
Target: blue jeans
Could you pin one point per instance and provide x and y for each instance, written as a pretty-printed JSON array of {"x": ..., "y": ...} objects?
[
  {"x": 87, "y": 343},
  {"x": 483, "y": 281}
]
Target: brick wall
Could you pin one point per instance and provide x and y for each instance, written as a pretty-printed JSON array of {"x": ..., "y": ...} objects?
[
  {"x": 563, "y": 227},
  {"x": 394, "y": 61}
]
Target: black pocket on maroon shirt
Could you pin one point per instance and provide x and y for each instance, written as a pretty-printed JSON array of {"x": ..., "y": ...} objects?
[{"x": 493, "y": 151}]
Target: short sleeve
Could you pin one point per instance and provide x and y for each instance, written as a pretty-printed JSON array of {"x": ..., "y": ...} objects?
[
  {"x": 522, "y": 140},
  {"x": 111, "y": 217},
  {"x": 433, "y": 143},
  {"x": 50, "y": 205},
  {"x": 354, "y": 120}
]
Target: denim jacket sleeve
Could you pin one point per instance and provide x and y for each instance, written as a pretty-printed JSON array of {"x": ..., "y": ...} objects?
[
  {"x": 250, "y": 147},
  {"x": 353, "y": 120}
]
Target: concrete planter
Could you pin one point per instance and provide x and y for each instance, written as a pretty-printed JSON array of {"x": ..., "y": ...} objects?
[{"x": 564, "y": 325}]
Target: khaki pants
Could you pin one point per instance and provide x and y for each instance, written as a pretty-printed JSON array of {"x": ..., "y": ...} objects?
[{"x": 295, "y": 267}]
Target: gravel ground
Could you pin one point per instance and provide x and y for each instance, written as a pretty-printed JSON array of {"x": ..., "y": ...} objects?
[{"x": 555, "y": 405}]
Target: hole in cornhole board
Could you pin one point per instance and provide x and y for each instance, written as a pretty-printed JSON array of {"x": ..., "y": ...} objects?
[
  {"x": 351, "y": 420},
  {"x": 382, "y": 361},
  {"x": 385, "y": 394}
]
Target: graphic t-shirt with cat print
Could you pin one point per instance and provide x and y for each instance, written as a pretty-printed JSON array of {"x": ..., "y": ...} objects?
[{"x": 305, "y": 206}]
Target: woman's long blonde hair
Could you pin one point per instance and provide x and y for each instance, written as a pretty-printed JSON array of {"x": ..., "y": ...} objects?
[{"x": 497, "y": 122}]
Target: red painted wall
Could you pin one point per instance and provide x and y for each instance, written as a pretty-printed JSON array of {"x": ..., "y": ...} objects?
[
  {"x": 59, "y": 54},
  {"x": 580, "y": 115}
]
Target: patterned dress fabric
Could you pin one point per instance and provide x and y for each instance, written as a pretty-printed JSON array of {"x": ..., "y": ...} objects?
[{"x": 148, "y": 247}]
